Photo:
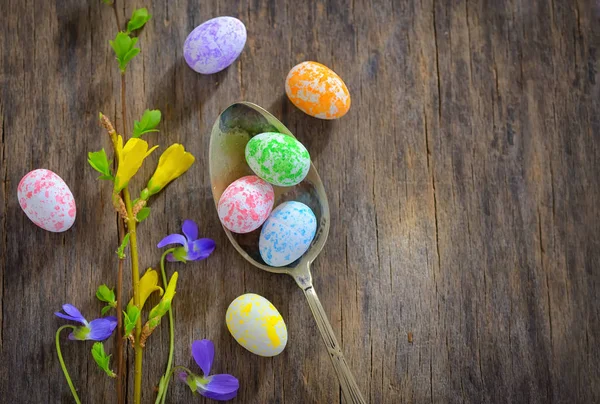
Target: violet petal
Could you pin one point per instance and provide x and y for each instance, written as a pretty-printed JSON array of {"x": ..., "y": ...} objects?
[
  {"x": 73, "y": 312},
  {"x": 172, "y": 239},
  {"x": 203, "y": 353},
  {"x": 190, "y": 229},
  {"x": 201, "y": 249},
  {"x": 102, "y": 328},
  {"x": 221, "y": 387},
  {"x": 67, "y": 317}
]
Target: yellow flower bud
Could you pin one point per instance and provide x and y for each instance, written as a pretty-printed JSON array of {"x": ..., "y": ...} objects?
[
  {"x": 148, "y": 285},
  {"x": 172, "y": 163},
  {"x": 164, "y": 305},
  {"x": 159, "y": 310},
  {"x": 130, "y": 160},
  {"x": 170, "y": 292}
]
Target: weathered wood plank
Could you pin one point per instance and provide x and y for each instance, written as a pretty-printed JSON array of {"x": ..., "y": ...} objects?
[{"x": 462, "y": 263}]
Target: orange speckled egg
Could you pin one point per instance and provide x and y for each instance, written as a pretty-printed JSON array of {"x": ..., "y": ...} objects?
[{"x": 317, "y": 90}]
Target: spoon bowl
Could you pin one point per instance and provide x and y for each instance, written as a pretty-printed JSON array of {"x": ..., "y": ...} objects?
[{"x": 231, "y": 132}]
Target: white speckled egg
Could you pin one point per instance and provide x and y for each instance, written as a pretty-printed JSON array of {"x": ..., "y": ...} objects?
[
  {"x": 246, "y": 204},
  {"x": 257, "y": 325},
  {"x": 287, "y": 233},
  {"x": 47, "y": 200}
]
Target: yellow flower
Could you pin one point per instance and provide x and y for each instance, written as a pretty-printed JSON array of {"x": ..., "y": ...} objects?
[
  {"x": 165, "y": 303},
  {"x": 148, "y": 285},
  {"x": 172, "y": 163},
  {"x": 159, "y": 310},
  {"x": 130, "y": 160}
]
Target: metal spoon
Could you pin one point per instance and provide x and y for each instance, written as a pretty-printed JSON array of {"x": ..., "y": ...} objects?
[{"x": 232, "y": 130}]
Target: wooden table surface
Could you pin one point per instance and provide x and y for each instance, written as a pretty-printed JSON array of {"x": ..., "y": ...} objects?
[{"x": 463, "y": 259}]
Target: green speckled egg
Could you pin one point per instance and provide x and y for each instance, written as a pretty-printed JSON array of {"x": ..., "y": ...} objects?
[{"x": 277, "y": 158}]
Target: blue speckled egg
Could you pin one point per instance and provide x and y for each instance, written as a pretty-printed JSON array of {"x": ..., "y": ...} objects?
[{"x": 287, "y": 233}]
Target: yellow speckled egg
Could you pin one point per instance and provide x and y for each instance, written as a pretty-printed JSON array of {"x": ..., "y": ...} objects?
[
  {"x": 317, "y": 90},
  {"x": 257, "y": 325}
]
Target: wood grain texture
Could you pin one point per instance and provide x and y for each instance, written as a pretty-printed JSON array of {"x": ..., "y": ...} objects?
[{"x": 463, "y": 259}]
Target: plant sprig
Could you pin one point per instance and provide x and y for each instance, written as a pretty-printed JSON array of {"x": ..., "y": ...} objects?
[
  {"x": 123, "y": 44},
  {"x": 125, "y": 50},
  {"x": 121, "y": 249},
  {"x": 102, "y": 359},
  {"x": 104, "y": 294},
  {"x": 131, "y": 317},
  {"x": 139, "y": 18},
  {"x": 129, "y": 154}
]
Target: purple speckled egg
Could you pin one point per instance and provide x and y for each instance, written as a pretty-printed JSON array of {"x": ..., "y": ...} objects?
[{"x": 215, "y": 44}]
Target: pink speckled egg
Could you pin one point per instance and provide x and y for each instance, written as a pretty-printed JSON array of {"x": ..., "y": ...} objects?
[
  {"x": 47, "y": 200},
  {"x": 246, "y": 204}
]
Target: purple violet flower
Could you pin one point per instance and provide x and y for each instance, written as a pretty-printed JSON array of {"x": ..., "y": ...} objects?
[
  {"x": 218, "y": 387},
  {"x": 96, "y": 330},
  {"x": 193, "y": 248}
]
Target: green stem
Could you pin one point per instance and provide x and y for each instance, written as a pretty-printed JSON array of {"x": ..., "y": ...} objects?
[
  {"x": 162, "y": 393},
  {"x": 124, "y": 106},
  {"x": 62, "y": 363},
  {"x": 114, "y": 6},
  {"x": 135, "y": 277},
  {"x": 189, "y": 372},
  {"x": 164, "y": 382},
  {"x": 121, "y": 373}
]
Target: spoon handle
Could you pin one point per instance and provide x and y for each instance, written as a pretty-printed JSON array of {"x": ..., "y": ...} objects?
[{"x": 350, "y": 389}]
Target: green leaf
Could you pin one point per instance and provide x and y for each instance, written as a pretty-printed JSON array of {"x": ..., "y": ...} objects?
[
  {"x": 125, "y": 50},
  {"x": 130, "y": 55},
  {"x": 131, "y": 318},
  {"x": 109, "y": 2},
  {"x": 105, "y": 309},
  {"x": 138, "y": 19},
  {"x": 148, "y": 123},
  {"x": 121, "y": 44},
  {"x": 143, "y": 214},
  {"x": 102, "y": 359},
  {"x": 100, "y": 163},
  {"x": 104, "y": 294},
  {"x": 121, "y": 249}
]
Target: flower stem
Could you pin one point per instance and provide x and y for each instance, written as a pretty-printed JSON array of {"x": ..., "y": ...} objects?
[
  {"x": 119, "y": 341},
  {"x": 120, "y": 370},
  {"x": 135, "y": 270},
  {"x": 62, "y": 362},
  {"x": 162, "y": 393},
  {"x": 135, "y": 278}
]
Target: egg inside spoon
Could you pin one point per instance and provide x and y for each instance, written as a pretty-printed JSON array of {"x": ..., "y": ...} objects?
[{"x": 231, "y": 132}]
